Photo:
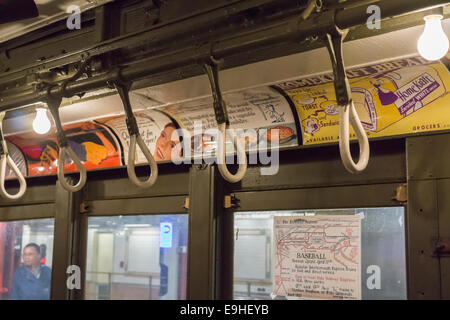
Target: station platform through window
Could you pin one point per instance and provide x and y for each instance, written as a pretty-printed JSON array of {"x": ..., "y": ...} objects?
[
  {"x": 26, "y": 250},
  {"x": 137, "y": 257}
]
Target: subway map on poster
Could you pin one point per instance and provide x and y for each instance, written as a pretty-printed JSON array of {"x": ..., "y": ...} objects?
[
  {"x": 403, "y": 96},
  {"x": 317, "y": 257}
]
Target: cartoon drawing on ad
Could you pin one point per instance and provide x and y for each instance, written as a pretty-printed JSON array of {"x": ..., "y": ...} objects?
[{"x": 385, "y": 95}]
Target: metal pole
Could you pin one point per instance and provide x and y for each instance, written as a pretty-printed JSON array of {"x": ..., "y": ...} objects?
[{"x": 269, "y": 35}]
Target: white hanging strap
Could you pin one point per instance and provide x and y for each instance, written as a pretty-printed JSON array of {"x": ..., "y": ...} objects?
[
  {"x": 347, "y": 112},
  {"x": 220, "y": 111},
  {"x": 136, "y": 138},
  {"x": 64, "y": 148},
  {"x": 61, "y": 161},
  {"x": 133, "y": 129},
  {"x": 5, "y": 159},
  {"x": 221, "y": 155}
]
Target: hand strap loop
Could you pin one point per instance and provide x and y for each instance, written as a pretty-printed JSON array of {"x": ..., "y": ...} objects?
[
  {"x": 5, "y": 159},
  {"x": 135, "y": 137},
  {"x": 53, "y": 104},
  {"x": 220, "y": 110},
  {"x": 347, "y": 111}
]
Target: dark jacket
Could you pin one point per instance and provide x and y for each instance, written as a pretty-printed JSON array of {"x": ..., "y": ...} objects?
[{"x": 26, "y": 286}]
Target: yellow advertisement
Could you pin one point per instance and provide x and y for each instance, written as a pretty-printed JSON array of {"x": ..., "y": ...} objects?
[{"x": 398, "y": 97}]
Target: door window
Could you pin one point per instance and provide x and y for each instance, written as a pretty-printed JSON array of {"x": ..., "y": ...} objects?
[
  {"x": 383, "y": 258},
  {"x": 26, "y": 249},
  {"x": 137, "y": 257}
]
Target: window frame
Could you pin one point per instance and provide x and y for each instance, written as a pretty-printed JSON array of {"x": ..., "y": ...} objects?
[
  {"x": 39, "y": 202},
  {"x": 117, "y": 196}
]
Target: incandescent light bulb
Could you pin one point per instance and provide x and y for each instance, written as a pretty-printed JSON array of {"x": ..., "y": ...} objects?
[
  {"x": 41, "y": 124},
  {"x": 433, "y": 43}
]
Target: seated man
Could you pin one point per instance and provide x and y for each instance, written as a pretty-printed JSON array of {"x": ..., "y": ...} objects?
[{"x": 32, "y": 280}]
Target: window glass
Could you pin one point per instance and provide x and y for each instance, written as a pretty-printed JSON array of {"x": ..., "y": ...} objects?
[
  {"x": 383, "y": 259},
  {"x": 26, "y": 250},
  {"x": 137, "y": 257}
]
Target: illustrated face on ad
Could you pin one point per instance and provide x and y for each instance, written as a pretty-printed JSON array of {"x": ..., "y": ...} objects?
[
  {"x": 165, "y": 145},
  {"x": 311, "y": 126}
]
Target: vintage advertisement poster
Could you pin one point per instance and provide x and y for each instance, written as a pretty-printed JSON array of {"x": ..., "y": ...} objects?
[
  {"x": 392, "y": 98},
  {"x": 317, "y": 257},
  {"x": 93, "y": 143},
  {"x": 156, "y": 129},
  {"x": 256, "y": 111}
]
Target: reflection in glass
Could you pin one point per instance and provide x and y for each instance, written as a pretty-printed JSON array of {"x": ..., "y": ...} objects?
[
  {"x": 383, "y": 258},
  {"x": 137, "y": 257},
  {"x": 26, "y": 249}
]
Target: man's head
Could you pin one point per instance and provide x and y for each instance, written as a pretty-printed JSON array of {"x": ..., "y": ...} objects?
[{"x": 31, "y": 255}]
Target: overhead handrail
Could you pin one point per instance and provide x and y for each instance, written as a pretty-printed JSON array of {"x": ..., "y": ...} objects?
[
  {"x": 347, "y": 111},
  {"x": 123, "y": 89},
  {"x": 310, "y": 7},
  {"x": 220, "y": 111},
  {"x": 5, "y": 159},
  {"x": 53, "y": 104},
  {"x": 84, "y": 67}
]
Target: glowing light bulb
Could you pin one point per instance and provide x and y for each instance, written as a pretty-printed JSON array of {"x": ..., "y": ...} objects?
[
  {"x": 41, "y": 124},
  {"x": 433, "y": 43}
]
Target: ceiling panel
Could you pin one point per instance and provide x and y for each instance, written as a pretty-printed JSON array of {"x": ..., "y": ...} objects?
[{"x": 50, "y": 11}]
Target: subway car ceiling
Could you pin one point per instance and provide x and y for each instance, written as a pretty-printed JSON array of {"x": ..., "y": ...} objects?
[
  {"x": 262, "y": 43},
  {"x": 361, "y": 52}
]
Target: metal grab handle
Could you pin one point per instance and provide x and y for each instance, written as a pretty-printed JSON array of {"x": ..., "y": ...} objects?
[
  {"x": 53, "y": 105},
  {"x": 348, "y": 114},
  {"x": 240, "y": 151},
  {"x": 136, "y": 138},
  {"x": 6, "y": 159},
  {"x": 220, "y": 111},
  {"x": 347, "y": 111}
]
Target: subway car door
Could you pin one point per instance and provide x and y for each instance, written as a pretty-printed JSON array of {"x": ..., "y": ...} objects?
[{"x": 312, "y": 184}]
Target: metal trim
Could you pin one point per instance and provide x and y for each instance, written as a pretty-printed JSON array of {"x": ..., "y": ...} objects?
[
  {"x": 137, "y": 206},
  {"x": 362, "y": 196},
  {"x": 27, "y": 212}
]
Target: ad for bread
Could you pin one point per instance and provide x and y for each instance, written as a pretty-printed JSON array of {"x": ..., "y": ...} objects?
[{"x": 392, "y": 98}]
